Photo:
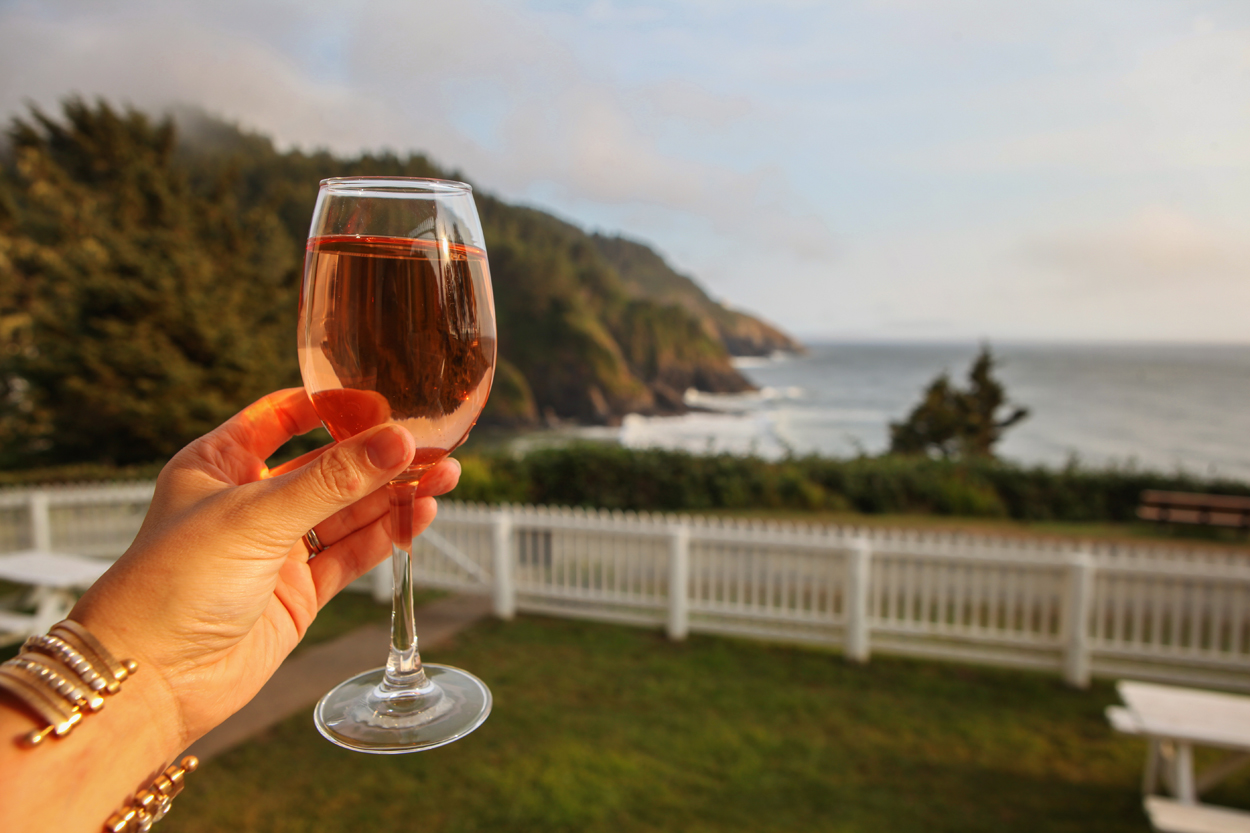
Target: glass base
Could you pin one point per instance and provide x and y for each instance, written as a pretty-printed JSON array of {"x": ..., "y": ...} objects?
[{"x": 360, "y": 715}]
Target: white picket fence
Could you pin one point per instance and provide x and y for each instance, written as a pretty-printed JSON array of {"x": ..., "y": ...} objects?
[
  {"x": 98, "y": 520},
  {"x": 1079, "y": 608}
]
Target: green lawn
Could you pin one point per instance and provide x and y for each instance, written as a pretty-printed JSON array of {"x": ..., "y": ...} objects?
[
  {"x": 349, "y": 610},
  {"x": 1136, "y": 532},
  {"x": 604, "y": 728}
]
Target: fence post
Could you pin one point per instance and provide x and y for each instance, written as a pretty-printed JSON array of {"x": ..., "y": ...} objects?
[
  {"x": 678, "y": 582},
  {"x": 1078, "y": 600},
  {"x": 503, "y": 592},
  {"x": 858, "y": 573},
  {"x": 40, "y": 522}
]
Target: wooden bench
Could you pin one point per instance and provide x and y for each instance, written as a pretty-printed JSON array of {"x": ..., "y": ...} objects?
[
  {"x": 1168, "y": 816},
  {"x": 1192, "y": 508}
]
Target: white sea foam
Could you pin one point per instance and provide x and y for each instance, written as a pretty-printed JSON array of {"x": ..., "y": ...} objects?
[
  {"x": 748, "y": 362},
  {"x": 705, "y": 433},
  {"x": 741, "y": 401},
  {"x": 1159, "y": 407}
]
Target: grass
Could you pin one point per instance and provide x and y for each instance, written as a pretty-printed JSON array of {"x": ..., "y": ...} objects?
[
  {"x": 604, "y": 728},
  {"x": 349, "y": 610},
  {"x": 1137, "y": 532}
]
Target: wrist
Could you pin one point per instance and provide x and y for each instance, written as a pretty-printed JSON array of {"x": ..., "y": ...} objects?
[
  {"x": 148, "y": 690},
  {"x": 74, "y": 781}
]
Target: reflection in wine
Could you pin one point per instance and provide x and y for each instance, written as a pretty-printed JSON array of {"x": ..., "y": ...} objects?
[{"x": 397, "y": 330}]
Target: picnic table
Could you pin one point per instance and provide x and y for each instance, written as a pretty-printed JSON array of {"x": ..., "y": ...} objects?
[
  {"x": 1175, "y": 720},
  {"x": 52, "y": 579}
]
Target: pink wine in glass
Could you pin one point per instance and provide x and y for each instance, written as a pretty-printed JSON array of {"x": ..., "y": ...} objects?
[
  {"x": 397, "y": 325},
  {"x": 399, "y": 331}
]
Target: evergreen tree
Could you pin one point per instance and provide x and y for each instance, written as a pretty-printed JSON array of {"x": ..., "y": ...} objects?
[
  {"x": 139, "y": 314},
  {"x": 952, "y": 423},
  {"x": 149, "y": 280}
]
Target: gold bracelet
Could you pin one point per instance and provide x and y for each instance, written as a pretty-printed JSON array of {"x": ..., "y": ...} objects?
[
  {"x": 61, "y": 675},
  {"x": 150, "y": 805},
  {"x": 119, "y": 670}
]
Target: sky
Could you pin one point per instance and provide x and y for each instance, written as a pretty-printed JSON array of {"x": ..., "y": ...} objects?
[{"x": 866, "y": 169}]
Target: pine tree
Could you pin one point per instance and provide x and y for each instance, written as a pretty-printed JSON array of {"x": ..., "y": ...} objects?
[
  {"x": 954, "y": 423},
  {"x": 140, "y": 315}
]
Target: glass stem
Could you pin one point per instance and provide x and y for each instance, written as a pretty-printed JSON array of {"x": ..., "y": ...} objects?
[{"x": 403, "y": 666}]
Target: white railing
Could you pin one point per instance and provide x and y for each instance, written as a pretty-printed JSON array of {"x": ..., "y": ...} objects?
[
  {"x": 98, "y": 519},
  {"x": 1079, "y": 608}
]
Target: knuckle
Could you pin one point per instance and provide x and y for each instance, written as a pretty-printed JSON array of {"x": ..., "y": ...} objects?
[{"x": 338, "y": 479}]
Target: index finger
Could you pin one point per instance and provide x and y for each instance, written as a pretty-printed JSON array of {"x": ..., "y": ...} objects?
[{"x": 261, "y": 428}]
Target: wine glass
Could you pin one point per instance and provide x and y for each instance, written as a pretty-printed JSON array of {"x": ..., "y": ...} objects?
[{"x": 397, "y": 324}]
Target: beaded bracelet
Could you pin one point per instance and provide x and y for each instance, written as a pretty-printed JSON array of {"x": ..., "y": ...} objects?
[
  {"x": 61, "y": 675},
  {"x": 150, "y": 805}
]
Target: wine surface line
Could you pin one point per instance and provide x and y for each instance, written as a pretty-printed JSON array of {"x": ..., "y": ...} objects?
[{"x": 398, "y": 330}]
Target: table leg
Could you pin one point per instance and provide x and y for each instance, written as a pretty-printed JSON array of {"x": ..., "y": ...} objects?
[
  {"x": 1150, "y": 778},
  {"x": 1167, "y": 765},
  {"x": 1185, "y": 792}
]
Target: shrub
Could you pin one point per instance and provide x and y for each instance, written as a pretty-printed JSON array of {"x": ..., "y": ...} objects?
[{"x": 612, "y": 477}]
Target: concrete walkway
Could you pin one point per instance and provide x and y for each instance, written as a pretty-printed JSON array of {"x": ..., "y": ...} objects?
[{"x": 301, "y": 680}]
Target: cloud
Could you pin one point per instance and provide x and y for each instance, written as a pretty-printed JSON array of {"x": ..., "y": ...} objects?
[
  {"x": 1112, "y": 138},
  {"x": 687, "y": 100},
  {"x": 1155, "y": 248},
  {"x": 391, "y": 74},
  {"x": 166, "y": 60},
  {"x": 1127, "y": 105}
]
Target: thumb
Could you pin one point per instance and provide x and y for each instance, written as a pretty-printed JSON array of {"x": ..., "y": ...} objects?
[{"x": 294, "y": 502}]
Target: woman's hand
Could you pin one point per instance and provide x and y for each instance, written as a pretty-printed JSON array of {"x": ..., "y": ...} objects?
[{"x": 218, "y": 587}]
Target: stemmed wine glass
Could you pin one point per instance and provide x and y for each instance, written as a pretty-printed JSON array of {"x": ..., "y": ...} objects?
[{"x": 397, "y": 324}]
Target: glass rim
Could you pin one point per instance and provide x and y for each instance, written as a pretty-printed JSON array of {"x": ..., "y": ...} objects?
[{"x": 385, "y": 185}]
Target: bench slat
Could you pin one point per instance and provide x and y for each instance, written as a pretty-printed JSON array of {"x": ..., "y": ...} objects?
[
  {"x": 1232, "y": 503},
  {"x": 1168, "y": 816},
  {"x": 1122, "y": 720},
  {"x": 1194, "y": 516}
]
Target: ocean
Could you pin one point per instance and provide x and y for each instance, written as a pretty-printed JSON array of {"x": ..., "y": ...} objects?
[{"x": 1161, "y": 407}]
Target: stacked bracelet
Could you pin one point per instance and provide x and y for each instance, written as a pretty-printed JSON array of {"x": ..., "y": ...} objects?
[
  {"x": 62, "y": 675},
  {"x": 150, "y": 805}
]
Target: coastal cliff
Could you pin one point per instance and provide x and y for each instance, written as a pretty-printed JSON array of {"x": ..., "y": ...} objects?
[
  {"x": 591, "y": 346},
  {"x": 590, "y": 327},
  {"x": 150, "y": 273},
  {"x": 646, "y": 274}
]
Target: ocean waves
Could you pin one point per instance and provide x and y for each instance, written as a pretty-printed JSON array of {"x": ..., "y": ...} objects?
[{"x": 1160, "y": 407}]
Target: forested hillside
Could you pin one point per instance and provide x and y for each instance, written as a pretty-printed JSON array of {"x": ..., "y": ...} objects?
[
  {"x": 647, "y": 275},
  {"x": 150, "y": 269}
]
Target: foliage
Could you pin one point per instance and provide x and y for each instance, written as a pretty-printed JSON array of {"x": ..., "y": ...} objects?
[
  {"x": 951, "y": 422},
  {"x": 613, "y": 477},
  {"x": 149, "y": 275},
  {"x": 80, "y": 473},
  {"x": 511, "y": 399},
  {"x": 645, "y": 274},
  {"x": 140, "y": 313}
]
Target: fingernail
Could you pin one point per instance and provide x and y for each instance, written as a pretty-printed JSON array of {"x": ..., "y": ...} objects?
[{"x": 388, "y": 449}]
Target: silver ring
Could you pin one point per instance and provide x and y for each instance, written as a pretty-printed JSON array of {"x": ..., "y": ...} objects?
[{"x": 315, "y": 547}]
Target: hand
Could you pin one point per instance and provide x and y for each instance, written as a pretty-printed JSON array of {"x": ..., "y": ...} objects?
[{"x": 218, "y": 588}]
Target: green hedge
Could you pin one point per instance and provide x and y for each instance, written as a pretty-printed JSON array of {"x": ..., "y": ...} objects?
[
  {"x": 84, "y": 473},
  {"x": 654, "y": 479},
  {"x": 599, "y": 475}
]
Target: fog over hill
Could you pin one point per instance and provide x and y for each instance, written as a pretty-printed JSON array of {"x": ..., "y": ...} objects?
[{"x": 149, "y": 270}]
